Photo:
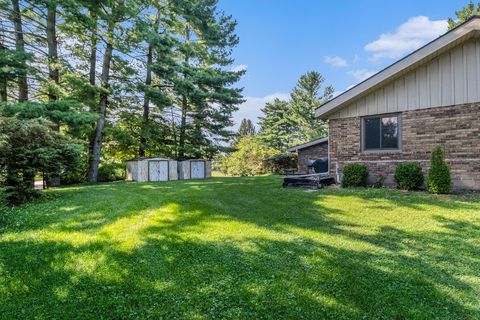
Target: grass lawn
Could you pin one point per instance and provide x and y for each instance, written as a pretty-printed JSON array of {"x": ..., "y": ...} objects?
[{"x": 240, "y": 248}]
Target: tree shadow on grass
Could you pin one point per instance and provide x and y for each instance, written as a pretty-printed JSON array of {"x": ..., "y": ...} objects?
[
  {"x": 90, "y": 209},
  {"x": 174, "y": 272},
  {"x": 173, "y": 277},
  {"x": 302, "y": 260}
]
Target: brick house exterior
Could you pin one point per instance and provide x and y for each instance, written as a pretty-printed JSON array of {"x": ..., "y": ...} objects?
[
  {"x": 427, "y": 99},
  {"x": 455, "y": 128},
  {"x": 313, "y": 150}
]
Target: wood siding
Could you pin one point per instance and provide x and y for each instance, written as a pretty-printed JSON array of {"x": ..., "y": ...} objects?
[{"x": 450, "y": 79}]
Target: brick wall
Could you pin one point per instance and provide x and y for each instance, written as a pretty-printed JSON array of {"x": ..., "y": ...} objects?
[
  {"x": 455, "y": 128},
  {"x": 315, "y": 152}
]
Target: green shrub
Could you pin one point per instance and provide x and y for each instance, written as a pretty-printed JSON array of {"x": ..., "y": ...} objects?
[
  {"x": 409, "y": 176},
  {"x": 31, "y": 147},
  {"x": 355, "y": 175},
  {"x": 247, "y": 159},
  {"x": 279, "y": 162},
  {"x": 438, "y": 179},
  {"x": 108, "y": 172}
]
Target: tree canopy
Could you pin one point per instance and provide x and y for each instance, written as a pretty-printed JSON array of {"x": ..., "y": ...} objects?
[
  {"x": 286, "y": 123},
  {"x": 125, "y": 78},
  {"x": 464, "y": 14}
]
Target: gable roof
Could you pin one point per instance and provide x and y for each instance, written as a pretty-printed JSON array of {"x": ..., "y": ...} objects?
[
  {"x": 308, "y": 144},
  {"x": 463, "y": 32}
]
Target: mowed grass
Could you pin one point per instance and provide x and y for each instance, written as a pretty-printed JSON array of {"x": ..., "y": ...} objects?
[{"x": 240, "y": 248}]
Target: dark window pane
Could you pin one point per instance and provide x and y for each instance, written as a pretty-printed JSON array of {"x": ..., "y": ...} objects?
[
  {"x": 390, "y": 133},
  {"x": 372, "y": 133}
]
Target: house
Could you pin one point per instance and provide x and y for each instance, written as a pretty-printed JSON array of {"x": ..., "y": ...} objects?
[
  {"x": 429, "y": 98},
  {"x": 310, "y": 151}
]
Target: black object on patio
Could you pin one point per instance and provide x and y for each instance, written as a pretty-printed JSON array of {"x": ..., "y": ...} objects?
[{"x": 319, "y": 178}]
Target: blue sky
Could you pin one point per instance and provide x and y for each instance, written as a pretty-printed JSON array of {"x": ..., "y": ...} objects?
[{"x": 345, "y": 41}]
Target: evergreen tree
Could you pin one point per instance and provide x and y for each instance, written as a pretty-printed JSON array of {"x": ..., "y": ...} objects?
[
  {"x": 305, "y": 99},
  {"x": 29, "y": 147},
  {"x": 144, "y": 77},
  {"x": 438, "y": 179},
  {"x": 247, "y": 128},
  {"x": 276, "y": 126},
  {"x": 464, "y": 14},
  {"x": 16, "y": 16},
  {"x": 116, "y": 14},
  {"x": 202, "y": 87}
]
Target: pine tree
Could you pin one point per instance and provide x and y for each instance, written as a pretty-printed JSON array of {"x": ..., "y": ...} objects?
[
  {"x": 202, "y": 87},
  {"x": 144, "y": 77},
  {"x": 464, "y": 14},
  {"x": 305, "y": 99},
  {"x": 247, "y": 128},
  {"x": 118, "y": 12},
  {"x": 16, "y": 16},
  {"x": 276, "y": 126}
]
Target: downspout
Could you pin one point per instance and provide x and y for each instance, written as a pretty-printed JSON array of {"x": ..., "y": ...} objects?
[{"x": 328, "y": 148}]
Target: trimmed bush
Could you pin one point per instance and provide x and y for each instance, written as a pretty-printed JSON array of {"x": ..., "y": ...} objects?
[
  {"x": 409, "y": 176},
  {"x": 438, "y": 179},
  {"x": 355, "y": 175}
]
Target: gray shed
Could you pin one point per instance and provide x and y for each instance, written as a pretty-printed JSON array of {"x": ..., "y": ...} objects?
[
  {"x": 194, "y": 169},
  {"x": 151, "y": 169}
]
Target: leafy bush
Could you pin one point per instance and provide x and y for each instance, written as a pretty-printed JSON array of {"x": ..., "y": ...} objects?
[
  {"x": 281, "y": 161},
  {"x": 108, "y": 172},
  {"x": 248, "y": 158},
  {"x": 409, "y": 176},
  {"x": 438, "y": 179},
  {"x": 354, "y": 175}
]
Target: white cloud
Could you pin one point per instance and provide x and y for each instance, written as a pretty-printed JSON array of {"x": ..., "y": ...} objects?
[
  {"x": 251, "y": 108},
  {"x": 335, "y": 61},
  {"x": 240, "y": 67},
  {"x": 356, "y": 59},
  {"x": 409, "y": 36},
  {"x": 361, "y": 74}
]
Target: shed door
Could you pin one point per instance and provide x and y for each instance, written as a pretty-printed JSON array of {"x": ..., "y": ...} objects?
[
  {"x": 197, "y": 169},
  {"x": 158, "y": 170}
]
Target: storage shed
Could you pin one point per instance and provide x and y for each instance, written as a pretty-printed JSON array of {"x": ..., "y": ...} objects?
[
  {"x": 151, "y": 169},
  {"x": 194, "y": 169}
]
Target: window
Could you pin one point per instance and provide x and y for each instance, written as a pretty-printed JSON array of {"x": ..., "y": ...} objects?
[{"x": 381, "y": 133}]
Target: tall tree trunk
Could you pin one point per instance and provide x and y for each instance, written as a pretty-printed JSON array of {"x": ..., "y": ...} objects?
[
  {"x": 93, "y": 48},
  {"x": 183, "y": 122},
  {"x": 102, "y": 107},
  {"x": 53, "y": 71},
  {"x": 146, "y": 104},
  {"x": 3, "y": 79},
  {"x": 20, "y": 47},
  {"x": 146, "y": 99},
  {"x": 92, "y": 73},
  {"x": 174, "y": 133}
]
